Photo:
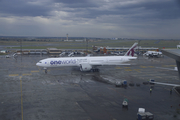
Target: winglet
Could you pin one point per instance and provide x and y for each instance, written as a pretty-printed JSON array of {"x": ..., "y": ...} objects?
[{"x": 130, "y": 52}]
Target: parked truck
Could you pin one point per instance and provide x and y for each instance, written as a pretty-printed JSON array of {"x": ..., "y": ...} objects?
[{"x": 122, "y": 83}]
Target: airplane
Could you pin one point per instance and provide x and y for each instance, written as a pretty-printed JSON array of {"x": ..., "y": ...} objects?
[
  {"x": 153, "y": 54},
  {"x": 71, "y": 54},
  {"x": 88, "y": 63},
  {"x": 62, "y": 54}
]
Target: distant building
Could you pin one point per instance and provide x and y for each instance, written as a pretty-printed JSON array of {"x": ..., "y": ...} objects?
[
  {"x": 3, "y": 51},
  {"x": 178, "y": 46},
  {"x": 79, "y": 40},
  {"x": 54, "y": 51},
  {"x": 114, "y": 38},
  {"x": 122, "y": 49}
]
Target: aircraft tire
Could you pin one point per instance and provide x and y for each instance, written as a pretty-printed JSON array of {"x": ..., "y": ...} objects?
[{"x": 95, "y": 70}]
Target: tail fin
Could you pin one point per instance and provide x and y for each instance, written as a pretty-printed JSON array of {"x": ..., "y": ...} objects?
[{"x": 130, "y": 52}]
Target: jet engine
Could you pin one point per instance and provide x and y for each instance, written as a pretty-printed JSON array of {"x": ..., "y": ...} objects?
[{"x": 85, "y": 67}]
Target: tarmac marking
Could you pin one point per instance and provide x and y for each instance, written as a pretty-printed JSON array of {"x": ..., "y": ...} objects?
[
  {"x": 128, "y": 70},
  {"x": 137, "y": 70},
  {"x": 21, "y": 97},
  {"x": 151, "y": 66},
  {"x": 3, "y": 69},
  {"x": 169, "y": 65},
  {"x": 158, "y": 77},
  {"x": 26, "y": 74},
  {"x": 118, "y": 67},
  {"x": 35, "y": 71},
  {"x": 12, "y": 75},
  {"x": 39, "y": 68},
  {"x": 126, "y": 67},
  {"x": 143, "y": 66}
]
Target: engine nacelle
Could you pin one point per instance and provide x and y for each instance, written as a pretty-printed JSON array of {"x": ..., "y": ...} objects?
[{"x": 85, "y": 67}]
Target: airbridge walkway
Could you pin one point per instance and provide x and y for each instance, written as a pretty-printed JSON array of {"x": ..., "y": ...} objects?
[{"x": 175, "y": 54}]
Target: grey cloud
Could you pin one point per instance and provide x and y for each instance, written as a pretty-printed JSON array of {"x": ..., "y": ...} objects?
[
  {"x": 92, "y": 9},
  {"x": 144, "y": 10},
  {"x": 22, "y": 8},
  {"x": 71, "y": 1},
  {"x": 140, "y": 15},
  {"x": 147, "y": 10}
]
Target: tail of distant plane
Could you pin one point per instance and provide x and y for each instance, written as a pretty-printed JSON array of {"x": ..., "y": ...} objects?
[{"x": 130, "y": 52}]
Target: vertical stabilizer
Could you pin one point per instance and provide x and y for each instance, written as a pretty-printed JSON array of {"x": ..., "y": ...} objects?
[{"x": 131, "y": 51}]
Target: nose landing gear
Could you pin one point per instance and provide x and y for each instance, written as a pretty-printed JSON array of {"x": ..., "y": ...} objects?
[{"x": 45, "y": 70}]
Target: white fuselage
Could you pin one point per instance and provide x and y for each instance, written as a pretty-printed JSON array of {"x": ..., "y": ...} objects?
[
  {"x": 77, "y": 61},
  {"x": 89, "y": 63}
]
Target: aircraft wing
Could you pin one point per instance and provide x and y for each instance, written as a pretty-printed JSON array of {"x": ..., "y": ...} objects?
[
  {"x": 175, "y": 85},
  {"x": 175, "y": 69}
]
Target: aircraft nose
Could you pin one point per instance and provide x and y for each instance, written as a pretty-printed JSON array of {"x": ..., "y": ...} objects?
[{"x": 37, "y": 64}]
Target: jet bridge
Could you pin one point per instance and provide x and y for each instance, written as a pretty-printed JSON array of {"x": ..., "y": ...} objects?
[{"x": 175, "y": 54}]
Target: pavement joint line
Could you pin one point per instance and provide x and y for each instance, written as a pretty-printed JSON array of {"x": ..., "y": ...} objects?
[{"x": 21, "y": 97}]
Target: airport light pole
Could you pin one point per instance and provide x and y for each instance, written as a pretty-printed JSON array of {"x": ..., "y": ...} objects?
[
  {"x": 86, "y": 46},
  {"x": 138, "y": 47}
]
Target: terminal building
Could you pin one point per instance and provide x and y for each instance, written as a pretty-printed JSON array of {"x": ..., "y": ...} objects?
[
  {"x": 108, "y": 50},
  {"x": 53, "y": 51},
  {"x": 32, "y": 52}
]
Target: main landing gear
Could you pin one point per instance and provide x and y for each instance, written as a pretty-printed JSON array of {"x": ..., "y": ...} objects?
[{"x": 95, "y": 70}]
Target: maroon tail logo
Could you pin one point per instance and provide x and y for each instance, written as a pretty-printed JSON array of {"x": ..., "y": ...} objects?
[{"x": 131, "y": 52}]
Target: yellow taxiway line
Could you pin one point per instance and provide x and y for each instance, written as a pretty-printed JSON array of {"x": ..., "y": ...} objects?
[
  {"x": 12, "y": 75},
  {"x": 26, "y": 74},
  {"x": 21, "y": 97},
  {"x": 35, "y": 71}
]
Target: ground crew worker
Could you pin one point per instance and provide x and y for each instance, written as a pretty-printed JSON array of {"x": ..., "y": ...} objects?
[
  {"x": 170, "y": 91},
  {"x": 150, "y": 90}
]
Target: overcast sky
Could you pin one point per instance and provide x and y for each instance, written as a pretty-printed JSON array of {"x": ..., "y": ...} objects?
[{"x": 91, "y": 18}]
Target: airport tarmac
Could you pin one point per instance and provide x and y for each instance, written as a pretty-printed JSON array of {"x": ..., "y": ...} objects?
[{"x": 66, "y": 93}]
